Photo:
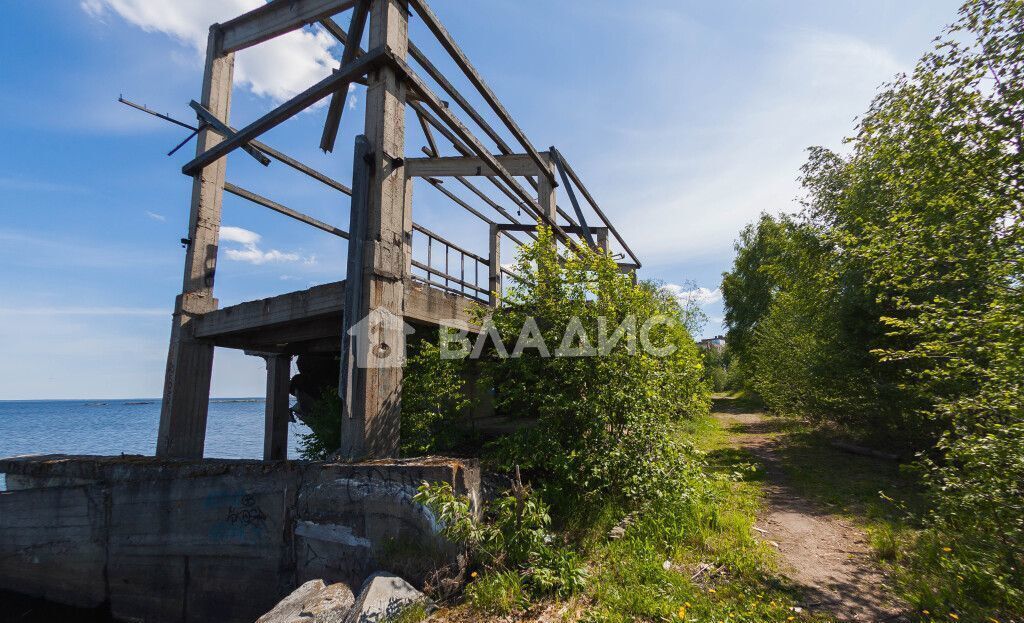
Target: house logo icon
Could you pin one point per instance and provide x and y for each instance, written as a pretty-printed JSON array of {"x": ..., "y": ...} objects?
[{"x": 380, "y": 339}]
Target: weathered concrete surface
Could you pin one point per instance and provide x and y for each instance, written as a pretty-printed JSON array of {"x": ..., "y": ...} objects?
[
  {"x": 178, "y": 540},
  {"x": 382, "y": 598},
  {"x": 313, "y": 602}
]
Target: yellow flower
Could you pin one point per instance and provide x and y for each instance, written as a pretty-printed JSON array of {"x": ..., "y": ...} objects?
[
  {"x": 925, "y": 612},
  {"x": 790, "y": 618},
  {"x": 472, "y": 575},
  {"x": 682, "y": 613},
  {"x": 711, "y": 590},
  {"x": 953, "y": 616},
  {"x": 947, "y": 549}
]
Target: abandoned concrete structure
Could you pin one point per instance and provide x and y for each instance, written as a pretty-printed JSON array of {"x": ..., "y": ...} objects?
[{"x": 179, "y": 538}]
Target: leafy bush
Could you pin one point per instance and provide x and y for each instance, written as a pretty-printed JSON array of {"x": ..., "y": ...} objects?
[
  {"x": 514, "y": 537},
  {"x": 601, "y": 423}
]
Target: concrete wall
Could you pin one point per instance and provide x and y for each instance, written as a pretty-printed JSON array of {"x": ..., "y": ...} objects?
[{"x": 163, "y": 540}]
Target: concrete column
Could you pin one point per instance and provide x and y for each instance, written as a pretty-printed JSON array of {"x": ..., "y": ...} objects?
[
  {"x": 372, "y": 417},
  {"x": 602, "y": 238},
  {"x": 494, "y": 267},
  {"x": 277, "y": 413},
  {"x": 186, "y": 398},
  {"x": 546, "y": 195}
]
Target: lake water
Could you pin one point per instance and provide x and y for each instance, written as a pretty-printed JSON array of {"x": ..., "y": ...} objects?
[{"x": 234, "y": 428}]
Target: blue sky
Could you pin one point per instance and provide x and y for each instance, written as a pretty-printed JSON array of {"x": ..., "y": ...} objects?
[{"x": 685, "y": 120}]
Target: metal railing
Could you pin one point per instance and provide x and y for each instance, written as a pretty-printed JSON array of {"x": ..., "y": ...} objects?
[{"x": 444, "y": 258}]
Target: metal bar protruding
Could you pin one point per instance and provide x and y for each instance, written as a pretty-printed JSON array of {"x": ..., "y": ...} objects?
[
  {"x": 267, "y": 149},
  {"x": 222, "y": 128},
  {"x": 337, "y": 105}
]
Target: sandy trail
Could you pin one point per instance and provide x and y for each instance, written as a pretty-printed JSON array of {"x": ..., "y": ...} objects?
[{"x": 826, "y": 554}]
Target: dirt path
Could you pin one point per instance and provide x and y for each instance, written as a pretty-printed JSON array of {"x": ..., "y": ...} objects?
[{"x": 826, "y": 554}]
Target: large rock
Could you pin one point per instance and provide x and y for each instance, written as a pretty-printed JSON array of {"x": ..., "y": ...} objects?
[
  {"x": 383, "y": 597},
  {"x": 313, "y": 602}
]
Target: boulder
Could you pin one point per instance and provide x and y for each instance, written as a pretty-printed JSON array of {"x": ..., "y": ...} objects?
[
  {"x": 382, "y": 598},
  {"x": 313, "y": 602}
]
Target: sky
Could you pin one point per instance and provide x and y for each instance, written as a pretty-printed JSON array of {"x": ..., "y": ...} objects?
[{"x": 686, "y": 120}]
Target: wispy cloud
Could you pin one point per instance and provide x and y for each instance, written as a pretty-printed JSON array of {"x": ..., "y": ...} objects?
[
  {"x": 34, "y": 185},
  {"x": 277, "y": 69},
  {"x": 251, "y": 252},
  {"x": 694, "y": 188},
  {"x": 156, "y": 217},
  {"x": 694, "y": 296}
]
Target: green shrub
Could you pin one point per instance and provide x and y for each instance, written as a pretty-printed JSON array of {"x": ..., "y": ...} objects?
[
  {"x": 601, "y": 423},
  {"x": 514, "y": 537}
]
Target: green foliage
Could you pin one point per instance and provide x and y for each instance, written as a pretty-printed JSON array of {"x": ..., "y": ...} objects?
[
  {"x": 601, "y": 423},
  {"x": 324, "y": 422},
  {"x": 434, "y": 401},
  {"x": 894, "y": 304},
  {"x": 514, "y": 537},
  {"x": 499, "y": 593}
]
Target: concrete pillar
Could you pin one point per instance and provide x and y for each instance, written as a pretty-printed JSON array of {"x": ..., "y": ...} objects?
[
  {"x": 380, "y": 253},
  {"x": 602, "y": 238},
  {"x": 494, "y": 267},
  {"x": 546, "y": 195},
  {"x": 277, "y": 412},
  {"x": 186, "y": 397}
]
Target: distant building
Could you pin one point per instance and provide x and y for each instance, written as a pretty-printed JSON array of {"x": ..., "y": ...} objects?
[{"x": 713, "y": 343}]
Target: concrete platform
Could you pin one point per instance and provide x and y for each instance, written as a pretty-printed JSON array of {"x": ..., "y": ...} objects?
[
  {"x": 176, "y": 540},
  {"x": 310, "y": 320}
]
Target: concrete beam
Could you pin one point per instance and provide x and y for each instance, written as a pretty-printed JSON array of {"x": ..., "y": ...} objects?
[
  {"x": 458, "y": 166},
  {"x": 276, "y": 18}
]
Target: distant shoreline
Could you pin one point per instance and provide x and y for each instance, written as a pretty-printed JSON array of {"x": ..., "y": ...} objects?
[{"x": 128, "y": 401}]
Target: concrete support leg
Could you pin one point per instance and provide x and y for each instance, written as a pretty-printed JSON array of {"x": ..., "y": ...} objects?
[
  {"x": 277, "y": 414},
  {"x": 494, "y": 267},
  {"x": 379, "y": 260},
  {"x": 190, "y": 361}
]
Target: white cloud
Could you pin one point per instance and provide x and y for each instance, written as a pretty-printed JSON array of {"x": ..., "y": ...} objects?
[
  {"x": 239, "y": 235},
  {"x": 251, "y": 252},
  {"x": 277, "y": 69},
  {"x": 695, "y": 187},
  {"x": 699, "y": 296},
  {"x": 156, "y": 217}
]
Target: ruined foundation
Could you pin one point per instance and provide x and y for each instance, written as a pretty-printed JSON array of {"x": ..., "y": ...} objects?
[{"x": 179, "y": 540}]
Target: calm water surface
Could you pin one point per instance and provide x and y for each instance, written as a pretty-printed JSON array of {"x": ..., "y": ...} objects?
[{"x": 234, "y": 429}]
